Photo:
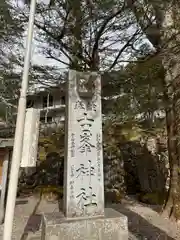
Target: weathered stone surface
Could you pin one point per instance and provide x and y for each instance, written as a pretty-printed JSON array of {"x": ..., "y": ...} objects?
[
  {"x": 83, "y": 175},
  {"x": 31, "y": 136},
  {"x": 146, "y": 168},
  {"x": 114, "y": 226},
  {"x": 114, "y": 186}
]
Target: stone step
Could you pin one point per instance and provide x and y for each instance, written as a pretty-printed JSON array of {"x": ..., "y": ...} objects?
[
  {"x": 34, "y": 236},
  {"x": 113, "y": 226}
]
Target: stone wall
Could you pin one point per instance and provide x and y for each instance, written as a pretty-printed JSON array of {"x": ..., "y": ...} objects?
[
  {"x": 137, "y": 167},
  {"x": 114, "y": 185},
  {"x": 146, "y": 166}
]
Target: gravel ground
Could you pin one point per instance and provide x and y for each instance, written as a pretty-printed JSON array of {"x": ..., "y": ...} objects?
[
  {"x": 144, "y": 221},
  {"x": 27, "y": 218}
]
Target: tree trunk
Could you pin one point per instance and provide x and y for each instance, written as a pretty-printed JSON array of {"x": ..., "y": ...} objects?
[
  {"x": 167, "y": 19},
  {"x": 172, "y": 66},
  {"x": 172, "y": 204},
  {"x": 75, "y": 38},
  {"x": 171, "y": 143}
]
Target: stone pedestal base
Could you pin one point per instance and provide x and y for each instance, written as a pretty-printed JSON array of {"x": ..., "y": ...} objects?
[{"x": 114, "y": 226}]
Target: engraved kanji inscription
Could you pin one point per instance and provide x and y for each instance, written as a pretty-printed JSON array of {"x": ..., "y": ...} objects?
[
  {"x": 85, "y": 141},
  {"x": 90, "y": 198},
  {"x": 72, "y": 145},
  {"x": 81, "y": 198},
  {"x": 71, "y": 183},
  {"x": 85, "y": 120},
  {"x": 80, "y": 105},
  {"x": 98, "y": 147},
  {"x": 86, "y": 199},
  {"x": 91, "y": 106},
  {"x": 83, "y": 170},
  {"x": 85, "y": 136},
  {"x": 72, "y": 171},
  {"x": 91, "y": 171}
]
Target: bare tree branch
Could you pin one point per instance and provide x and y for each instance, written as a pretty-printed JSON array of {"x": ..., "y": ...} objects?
[
  {"x": 5, "y": 101},
  {"x": 123, "y": 48},
  {"x": 55, "y": 58},
  {"x": 100, "y": 32}
]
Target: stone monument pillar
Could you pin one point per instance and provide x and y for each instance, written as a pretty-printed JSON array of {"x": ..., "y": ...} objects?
[
  {"x": 84, "y": 181},
  {"x": 84, "y": 216}
]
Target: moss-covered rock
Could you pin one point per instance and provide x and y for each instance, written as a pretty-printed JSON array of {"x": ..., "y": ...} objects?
[
  {"x": 154, "y": 198},
  {"x": 113, "y": 196},
  {"x": 50, "y": 193}
]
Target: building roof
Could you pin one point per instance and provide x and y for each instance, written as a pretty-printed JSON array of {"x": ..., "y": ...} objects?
[
  {"x": 4, "y": 143},
  {"x": 39, "y": 90}
]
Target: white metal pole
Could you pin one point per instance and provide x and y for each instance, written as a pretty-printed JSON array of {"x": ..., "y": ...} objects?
[
  {"x": 4, "y": 184},
  {"x": 18, "y": 139}
]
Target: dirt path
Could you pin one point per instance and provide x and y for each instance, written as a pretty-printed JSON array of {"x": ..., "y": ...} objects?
[
  {"x": 27, "y": 219},
  {"x": 144, "y": 222}
]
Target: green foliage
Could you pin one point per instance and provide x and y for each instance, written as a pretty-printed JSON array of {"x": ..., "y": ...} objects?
[
  {"x": 8, "y": 28},
  {"x": 116, "y": 133},
  {"x": 50, "y": 193},
  {"x": 113, "y": 196},
  {"x": 11, "y": 29},
  {"x": 51, "y": 143},
  {"x": 49, "y": 189},
  {"x": 135, "y": 93},
  {"x": 154, "y": 198}
]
